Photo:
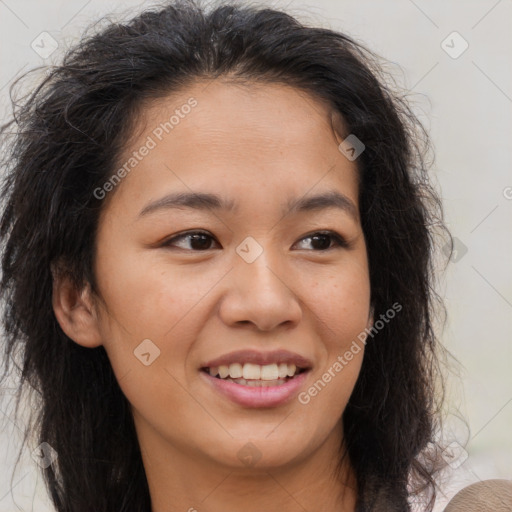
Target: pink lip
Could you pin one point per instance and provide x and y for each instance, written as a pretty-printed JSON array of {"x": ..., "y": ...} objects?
[
  {"x": 261, "y": 358},
  {"x": 247, "y": 396}
]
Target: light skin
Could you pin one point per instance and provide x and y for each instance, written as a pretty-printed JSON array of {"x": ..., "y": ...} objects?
[{"x": 258, "y": 146}]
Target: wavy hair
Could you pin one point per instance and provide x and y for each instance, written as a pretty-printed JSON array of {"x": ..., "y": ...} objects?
[{"x": 63, "y": 142}]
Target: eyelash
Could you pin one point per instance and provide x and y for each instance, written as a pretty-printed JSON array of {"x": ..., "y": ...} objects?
[{"x": 338, "y": 240}]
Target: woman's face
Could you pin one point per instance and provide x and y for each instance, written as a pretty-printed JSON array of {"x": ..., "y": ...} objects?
[{"x": 257, "y": 280}]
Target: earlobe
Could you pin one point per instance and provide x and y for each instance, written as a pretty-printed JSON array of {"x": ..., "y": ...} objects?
[{"x": 75, "y": 312}]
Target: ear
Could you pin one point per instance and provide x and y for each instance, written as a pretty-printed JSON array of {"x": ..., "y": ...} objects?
[{"x": 75, "y": 311}]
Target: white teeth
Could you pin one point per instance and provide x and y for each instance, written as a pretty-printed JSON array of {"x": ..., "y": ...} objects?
[
  {"x": 235, "y": 370},
  {"x": 269, "y": 372},
  {"x": 223, "y": 371},
  {"x": 283, "y": 370},
  {"x": 259, "y": 383},
  {"x": 250, "y": 371}
]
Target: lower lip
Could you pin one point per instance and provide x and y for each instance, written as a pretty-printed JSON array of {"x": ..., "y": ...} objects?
[{"x": 251, "y": 396}]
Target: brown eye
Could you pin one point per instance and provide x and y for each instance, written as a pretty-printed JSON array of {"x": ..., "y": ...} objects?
[
  {"x": 322, "y": 240},
  {"x": 196, "y": 241}
]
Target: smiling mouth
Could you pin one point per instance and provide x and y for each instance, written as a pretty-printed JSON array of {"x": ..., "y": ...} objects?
[{"x": 255, "y": 375}]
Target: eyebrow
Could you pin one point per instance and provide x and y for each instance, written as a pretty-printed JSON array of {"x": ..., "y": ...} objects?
[{"x": 208, "y": 201}]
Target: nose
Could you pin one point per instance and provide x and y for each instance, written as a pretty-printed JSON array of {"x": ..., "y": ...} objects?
[{"x": 260, "y": 294}]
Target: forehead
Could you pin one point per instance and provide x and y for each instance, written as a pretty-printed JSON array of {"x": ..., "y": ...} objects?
[
  {"x": 250, "y": 137},
  {"x": 263, "y": 117}
]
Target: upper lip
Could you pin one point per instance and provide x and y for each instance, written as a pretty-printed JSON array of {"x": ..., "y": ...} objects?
[{"x": 261, "y": 358}]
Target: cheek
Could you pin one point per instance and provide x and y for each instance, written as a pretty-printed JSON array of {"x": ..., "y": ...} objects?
[
  {"x": 341, "y": 310},
  {"x": 340, "y": 301},
  {"x": 151, "y": 301},
  {"x": 149, "y": 298}
]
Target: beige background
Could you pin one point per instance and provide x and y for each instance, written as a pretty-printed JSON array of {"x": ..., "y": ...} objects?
[{"x": 466, "y": 104}]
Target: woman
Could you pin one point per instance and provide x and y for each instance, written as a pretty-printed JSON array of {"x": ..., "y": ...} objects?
[{"x": 260, "y": 369}]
